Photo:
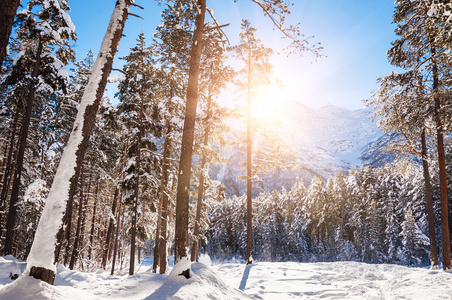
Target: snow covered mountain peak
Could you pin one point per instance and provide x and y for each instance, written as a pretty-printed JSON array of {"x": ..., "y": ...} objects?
[{"x": 328, "y": 140}]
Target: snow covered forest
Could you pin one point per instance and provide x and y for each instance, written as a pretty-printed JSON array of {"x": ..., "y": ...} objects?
[{"x": 91, "y": 183}]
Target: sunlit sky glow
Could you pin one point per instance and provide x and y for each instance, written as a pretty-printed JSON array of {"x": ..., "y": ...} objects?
[{"x": 355, "y": 35}]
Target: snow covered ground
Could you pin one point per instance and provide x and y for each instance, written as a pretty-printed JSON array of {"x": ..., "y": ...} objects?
[{"x": 263, "y": 280}]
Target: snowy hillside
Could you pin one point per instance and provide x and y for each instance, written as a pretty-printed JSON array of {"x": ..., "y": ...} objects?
[
  {"x": 335, "y": 135},
  {"x": 327, "y": 140},
  {"x": 288, "y": 280}
]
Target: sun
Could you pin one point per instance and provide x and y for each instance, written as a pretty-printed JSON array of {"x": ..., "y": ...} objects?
[{"x": 266, "y": 104}]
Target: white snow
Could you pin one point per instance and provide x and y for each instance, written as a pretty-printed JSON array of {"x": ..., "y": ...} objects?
[{"x": 262, "y": 280}]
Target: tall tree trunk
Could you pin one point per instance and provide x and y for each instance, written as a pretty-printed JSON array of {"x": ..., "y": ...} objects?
[
  {"x": 163, "y": 234},
  {"x": 429, "y": 200},
  {"x": 64, "y": 235},
  {"x": 8, "y": 156},
  {"x": 81, "y": 244},
  {"x": 137, "y": 191},
  {"x": 195, "y": 245},
  {"x": 9, "y": 169},
  {"x": 8, "y": 10},
  {"x": 79, "y": 225},
  {"x": 161, "y": 244},
  {"x": 108, "y": 243},
  {"x": 116, "y": 239},
  {"x": 183, "y": 186},
  {"x": 445, "y": 239},
  {"x": 93, "y": 222},
  {"x": 68, "y": 229},
  {"x": 156, "y": 262},
  {"x": 9, "y": 238},
  {"x": 120, "y": 237},
  {"x": 40, "y": 259},
  {"x": 249, "y": 187}
]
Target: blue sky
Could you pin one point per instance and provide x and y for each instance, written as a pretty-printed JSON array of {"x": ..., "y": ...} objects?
[{"x": 355, "y": 35}]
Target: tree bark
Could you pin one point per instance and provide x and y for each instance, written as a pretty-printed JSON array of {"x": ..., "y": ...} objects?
[
  {"x": 163, "y": 234},
  {"x": 195, "y": 244},
  {"x": 81, "y": 245},
  {"x": 429, "y": 200},
  {"x": 183, "y": 186},
  {"x": 69, "y": 210},
  {"x": 445, "y": 239},
  {"x": 116, "y": 240},
  {"x": 12, "y": 212},
  {"x": 9, "y": 169},
  {"x": 137, "y": 191},
  {"x": 107, "y": 245},
  {"x": 8, "y": 10},
  {"x": 249, "y": 187},
  {"x": 8, "y": 156},
  {"x": 120, "y": 237},
  {"x": 79, "y": 224},
  {"x": 93, "y": 222},
  {"x": 41, "y": 254}
]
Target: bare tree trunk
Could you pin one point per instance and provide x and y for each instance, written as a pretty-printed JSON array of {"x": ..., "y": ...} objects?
[
  {"x": 183, "y": 186},
  {"x": 249, "y": 203},
  {"x": 137, "y": 192},
  {"x": 41, "y": 254},
  {"x": 9, "y": 169},
  {"x": 156, "y": 262},
  {"x": 8, "y": 10},
  {"x": 81, "y": 244},
  {"x": 10, "y": 224},
  {"x": 120, "y": 237},
  {"x": 64, "y": 235},
  {"x": 115, "y": 251},
  {"x": 195, "y": 245},
  {"x": 163, "y": 234},
  {"x": 69, "y": 211},
  {"x": 429, "y": 200},
  {"x": 445, "y": 239},
  {"x": 93, "y": 221},
  {"x": 8, "y": 156},
  {"x": 79, "y": 225},
  {"x": 107, "y": 245}
]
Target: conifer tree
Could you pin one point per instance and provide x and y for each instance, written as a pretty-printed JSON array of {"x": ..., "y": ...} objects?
[
  {"x": 52, "y": 30},
  {"x": 411, "y": 98},
  {"x": 172, "y": 50},
  {"x": 137, "y": 107},
  {"x": 215, "y": 74},
  {"x": 41, "y": 257},
  {"x": 276, "y": 10}
]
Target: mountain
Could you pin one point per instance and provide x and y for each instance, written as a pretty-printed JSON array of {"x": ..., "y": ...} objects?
[{"x": 327, "y": 140}]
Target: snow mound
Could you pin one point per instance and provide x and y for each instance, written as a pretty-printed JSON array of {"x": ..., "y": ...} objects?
[
  {"x": 27, "y": 287},
  {"x": 204, "y": 283},
  {"x": 75, "y": 285},
  {"x": 10, "y": 267}
]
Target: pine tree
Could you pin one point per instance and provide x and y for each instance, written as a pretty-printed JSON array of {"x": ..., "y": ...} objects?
[
  {"x": 137, "y": 103},
  {"x": 255, "y": 56},
  {"x": 40, "y": 260},
  {"x": 52, "y": 30},
  {"x": 271, "y": 8},
  {"x": 412, "y": 97},
  {"x": 172, "y": 49}
]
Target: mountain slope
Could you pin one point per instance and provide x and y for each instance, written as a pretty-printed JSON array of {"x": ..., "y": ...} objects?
[{"x": 327, "y": 140}]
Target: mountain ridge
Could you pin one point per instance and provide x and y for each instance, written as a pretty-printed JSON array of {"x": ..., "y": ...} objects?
[{"x": 327, "y": 140}]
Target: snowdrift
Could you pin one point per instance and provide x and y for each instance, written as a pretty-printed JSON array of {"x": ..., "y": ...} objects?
[
  {"x": 75, "y": 285},
  {"x": 263, "y": 280}
]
